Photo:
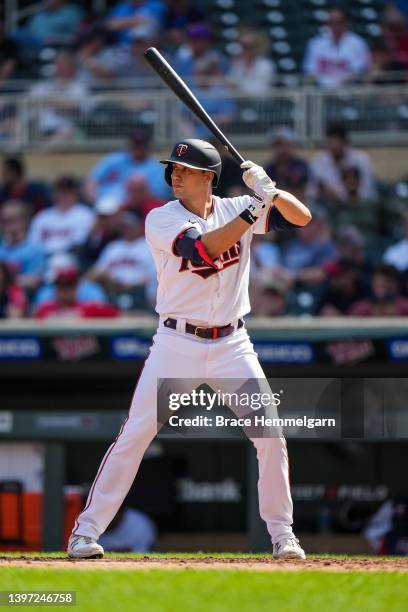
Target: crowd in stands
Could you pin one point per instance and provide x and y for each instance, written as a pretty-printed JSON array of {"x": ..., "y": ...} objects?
[
  {"x": 77, "y": 247},
  {"x": 110, "y": 46},
  {"x": 64, "y": 52}
]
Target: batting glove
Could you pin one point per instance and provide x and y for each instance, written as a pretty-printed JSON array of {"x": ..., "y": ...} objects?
[{"x": 256, "y": 179}]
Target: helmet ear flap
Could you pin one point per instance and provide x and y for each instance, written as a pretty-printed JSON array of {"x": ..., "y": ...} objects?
[{"x": 167, "y": 173}]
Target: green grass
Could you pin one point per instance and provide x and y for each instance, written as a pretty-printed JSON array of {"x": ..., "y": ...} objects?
[
  {"x": 216, "y": 591},
  {"x": 173, "y": 590}
]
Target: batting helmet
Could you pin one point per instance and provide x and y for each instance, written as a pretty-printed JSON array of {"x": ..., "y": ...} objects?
[{"x": 194, "y": 153}]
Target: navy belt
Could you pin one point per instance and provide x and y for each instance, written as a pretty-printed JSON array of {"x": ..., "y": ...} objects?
[{"x": 209, "y": 333}]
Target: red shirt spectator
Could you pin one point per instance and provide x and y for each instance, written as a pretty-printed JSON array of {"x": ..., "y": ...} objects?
[
  {"x": 88, "y": 310},
  {"x": 138, "y": 197},
  {"x": 371, "y": 308},
  {"x": 65, "y": 305}
]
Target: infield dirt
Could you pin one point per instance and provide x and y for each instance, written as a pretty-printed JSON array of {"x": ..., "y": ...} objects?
[{"x": 233, "y": 563}]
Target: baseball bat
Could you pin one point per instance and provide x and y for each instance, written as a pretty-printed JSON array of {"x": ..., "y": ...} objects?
[{"x": 178, "y": 86}]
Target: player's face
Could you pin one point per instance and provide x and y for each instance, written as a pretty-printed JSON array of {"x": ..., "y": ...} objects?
[{"x": 189, "y": 182}]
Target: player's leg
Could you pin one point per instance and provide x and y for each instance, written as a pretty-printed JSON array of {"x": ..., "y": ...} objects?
[
  {"x": 169, "y": 357},
  {"x": 235, "y": 358}
]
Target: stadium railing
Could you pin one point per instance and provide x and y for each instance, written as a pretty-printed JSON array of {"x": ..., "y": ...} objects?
[{"x": 372, "y": 114}]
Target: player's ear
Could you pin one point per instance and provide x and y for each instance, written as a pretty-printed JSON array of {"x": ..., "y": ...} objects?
[{"x": 209, "y": 176}]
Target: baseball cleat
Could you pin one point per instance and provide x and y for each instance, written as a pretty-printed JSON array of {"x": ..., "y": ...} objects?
[
  {"x": 84, "y": 547},
  {"x": 288, "y": 548}
]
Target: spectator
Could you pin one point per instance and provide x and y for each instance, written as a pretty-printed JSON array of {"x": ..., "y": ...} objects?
[
  {"x": 269, "y": 297},
  {"x": 56, "y": 24},
  {"x": 343, "y": 286},
  {"x": 199, "y": 46},
  {"x": 397, "y": 254},
  {"x": 327, "y": 167},
  {"x": 24, "y": 257},
  {"x": 286, "y": 168},
  {"x": 133, "y": 65},
  {"x": 13, "y": 302},
  {"x": 386, "y": 299},
  {"x": 214, "y": 97},
  {"x": 338, "y": 55},
  {"x": 125, "y": 267},
  {"x": 59, "y": 102},
  {"x": 96, "y": 60},
  {"x": 135, "y": 15},
  {"x": 113, "y": 171},
  {"x": 352, "y": 246},
  {"x": 65, "y": 305},
  {"x": 384, "y": 67},
  {"x": 179, "y": 16},
  {"x": 15, "y": 186},
  {"x": 313, "y": 245},
  {"x": 105, "y": 229},
  {"x": 395, "y": 33},
  {"x": 66, "y": 225},
  {"x": 86, "y": 289},
  {"x": 130, "y": 531},
  {"x": 9, "y": 56},
  {"x": 138, "y": 197},
  {"x": 251, "y": 72},
  {"x": 265, "y": 254},
  {"x": 375, "y": 218}
]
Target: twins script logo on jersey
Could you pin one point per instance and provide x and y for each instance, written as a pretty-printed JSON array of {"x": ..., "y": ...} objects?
[
  {"x": 225, "y": 260},
  {"x": 181, "y": 149}
]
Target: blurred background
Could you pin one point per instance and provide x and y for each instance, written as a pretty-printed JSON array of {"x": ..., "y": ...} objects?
[{"x": 316, "y": 92}]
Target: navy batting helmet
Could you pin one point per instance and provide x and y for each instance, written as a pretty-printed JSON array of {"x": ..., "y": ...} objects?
[{"x": 194, "y": 153}]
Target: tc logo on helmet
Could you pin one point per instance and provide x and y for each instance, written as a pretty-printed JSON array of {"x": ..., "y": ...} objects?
[{"x": 181, "y": 149}]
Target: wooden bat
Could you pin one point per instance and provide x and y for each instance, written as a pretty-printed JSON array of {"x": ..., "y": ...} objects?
[{"x": 177, "y": 85}]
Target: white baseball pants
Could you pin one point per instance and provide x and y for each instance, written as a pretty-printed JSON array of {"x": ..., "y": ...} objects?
[{"x": 175, "y": 354}]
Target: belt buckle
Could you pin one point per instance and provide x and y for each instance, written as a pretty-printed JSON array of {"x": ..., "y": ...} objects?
[{"x": 197, "y": 328}]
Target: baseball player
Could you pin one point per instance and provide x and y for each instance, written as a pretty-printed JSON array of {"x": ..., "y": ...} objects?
[{"x": 200, "y": 244}]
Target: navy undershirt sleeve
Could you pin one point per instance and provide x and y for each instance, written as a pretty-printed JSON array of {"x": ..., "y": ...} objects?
[
  {"x": 276, "y": 221},
  {"x": 186, "y": 246}
]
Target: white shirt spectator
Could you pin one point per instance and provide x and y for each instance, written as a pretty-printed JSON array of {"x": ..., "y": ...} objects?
[
  {"x": 253, "y": 79},
  {"x": 327, "y": 172},
  {"x": 61, "y": 230},
  {"x": 129, "y": 263},
  {"x": 136, "y": 532},
  {"x": 397, "y": 255},
  {"x": 331, "y": 63},
  {"x": 69, "y": 97}
]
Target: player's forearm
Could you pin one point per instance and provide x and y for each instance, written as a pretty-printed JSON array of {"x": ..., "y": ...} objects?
[
  {"x": 292, "y": 209},
  {"x": 220, "y": 240}
]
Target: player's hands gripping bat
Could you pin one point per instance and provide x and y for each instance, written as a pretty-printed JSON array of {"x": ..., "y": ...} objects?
[{"x": 256, "y": 179}]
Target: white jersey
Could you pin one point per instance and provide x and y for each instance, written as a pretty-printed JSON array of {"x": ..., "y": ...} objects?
[
  {"x": 128, "y": 262},
  {"x": 331, "y": 62},
  {"x": 199, "y": 293},
  {"x": 57, "y": 230}
]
